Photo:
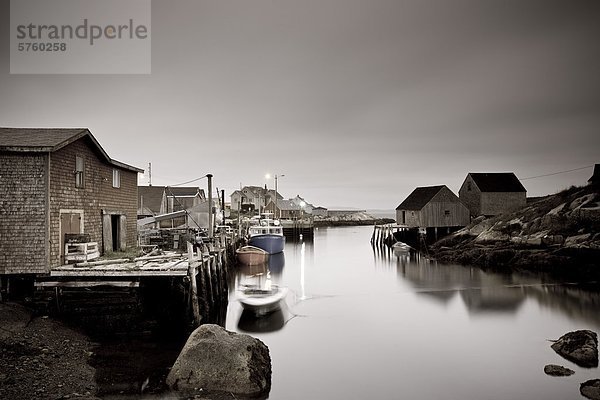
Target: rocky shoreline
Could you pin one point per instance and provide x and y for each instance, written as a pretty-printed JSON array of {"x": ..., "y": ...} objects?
[
  {"x": 559, "y": 234},
  {"x": 40, "y": 358},
  {"x": 358, "y": 218}
]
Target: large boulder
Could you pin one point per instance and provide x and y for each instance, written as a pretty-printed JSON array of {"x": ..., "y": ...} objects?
[
  {"x": 591, "y": 389},
  {"x": 216, "y": 360},
  {"x": 581, "y": 347}
]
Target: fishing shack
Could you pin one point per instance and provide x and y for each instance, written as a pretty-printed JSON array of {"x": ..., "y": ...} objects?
[{"x": 60, "y": 182}]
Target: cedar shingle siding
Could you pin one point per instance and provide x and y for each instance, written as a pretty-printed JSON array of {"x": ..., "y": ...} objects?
[
  {"x": 492, "y": 193},
  {"x": 23, "y": 203},
  {"x": 432, "y": 207},
  {"x": 36, "y": 188}
]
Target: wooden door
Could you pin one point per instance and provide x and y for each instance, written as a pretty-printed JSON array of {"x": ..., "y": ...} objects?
[{"x": 69, "y": 223}]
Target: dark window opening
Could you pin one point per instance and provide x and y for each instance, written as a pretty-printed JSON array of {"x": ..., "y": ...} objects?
[{"x": 115, "y": 227}]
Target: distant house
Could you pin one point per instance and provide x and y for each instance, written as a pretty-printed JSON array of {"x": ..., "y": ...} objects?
[
  {"x": 181, "y": 198},
  {"x": 432, "y": 207},
  {"x": 595, "y": 179},
  {"x": 285, "y": 209},
  {"x": 299, "y": 201},
  {"x": 158, "y": 200},
  {"x": 252, "y": 198},
  {"x": 150, "y": 200},
  {"x": 59, "y": 181},
  {"x": 319, "y": 211},
  {"x": 491, "y": 194}
]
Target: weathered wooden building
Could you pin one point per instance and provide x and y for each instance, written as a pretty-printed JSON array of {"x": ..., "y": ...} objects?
[
  {"x": 150, "y": 200},
  {"x": 320, "y": 211},
  {"x": 491, "y": 194},
  {"x": 595, "y": 179},
  {"x": 59, "y": 181},
  {"x": 285, "y": 209},
  {"x": 157, "y": 200},
  {"x": 253, "y": 198},
  {"x": 432, "y": 207}
]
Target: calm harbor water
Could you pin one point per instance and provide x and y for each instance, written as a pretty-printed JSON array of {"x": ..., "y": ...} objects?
[{"x": 364, "y": 323}]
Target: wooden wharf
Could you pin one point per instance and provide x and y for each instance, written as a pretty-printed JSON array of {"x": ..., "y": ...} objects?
[
  {"x": 416, "y": 237},
  {"x": 192, "y": 285},
  {"x": 298, "y": 228},
  {"x": 384, "y": 234}
]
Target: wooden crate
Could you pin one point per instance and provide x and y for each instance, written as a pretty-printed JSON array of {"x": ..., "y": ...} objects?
[{"x": 75, "y": 252}]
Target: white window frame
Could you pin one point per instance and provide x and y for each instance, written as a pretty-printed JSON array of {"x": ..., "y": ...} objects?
[
  {"x": 79, "y": 172},
  {"x": 116, "y": 178}
]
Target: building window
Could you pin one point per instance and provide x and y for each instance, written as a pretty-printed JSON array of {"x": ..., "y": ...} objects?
[
  {"x": 79, "y": 172},
  {"x": 469, "y": 186},
  {"x": 116, "y": 178},
  {"x": 447, "y": 213}
]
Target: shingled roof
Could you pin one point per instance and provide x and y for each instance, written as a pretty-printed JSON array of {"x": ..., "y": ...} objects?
[
  {"x": 419, "y": 197},
  {"x": 497, "y": 182},
  {"x": 184, "y": 191},
  {"x": 48, "y": 140},
  {"x": 150, "y": 197},
  {"x": 595, "y": 179}
]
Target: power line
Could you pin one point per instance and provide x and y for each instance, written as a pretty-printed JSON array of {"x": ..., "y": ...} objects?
[
  {"x": 193, "y": 180},
  {"x": 557, "y": 173}
]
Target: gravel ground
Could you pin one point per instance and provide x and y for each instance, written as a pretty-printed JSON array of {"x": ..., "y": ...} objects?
[{"x": 42, "y": 359}]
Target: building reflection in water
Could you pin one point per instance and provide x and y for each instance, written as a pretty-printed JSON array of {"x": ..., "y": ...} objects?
[{"x": 485, "y": 292}]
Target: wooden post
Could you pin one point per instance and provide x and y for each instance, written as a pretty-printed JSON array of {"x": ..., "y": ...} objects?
[
  {"x": 203, "y": 285},
  {"x": 210, "y": 207},
  {"x": 192, "y": 270}
]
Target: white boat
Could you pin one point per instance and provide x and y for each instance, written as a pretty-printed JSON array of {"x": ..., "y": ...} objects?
[
  {"x": 400, "y": 247},
  {"x": 262, "y": 298},
  {"x": 262, "y": 301},
  {"x": 267, "y": 235},
  {"x": 251, "y": 255}
]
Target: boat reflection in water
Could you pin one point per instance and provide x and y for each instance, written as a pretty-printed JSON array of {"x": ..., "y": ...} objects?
[
  {"x": 276, "y": 264},
  {"x": 256, "y": 291},
  {"x": 268, "y": 323}
]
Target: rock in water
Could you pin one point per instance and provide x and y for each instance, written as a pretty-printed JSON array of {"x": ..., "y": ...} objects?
[
  {"x": 591, "y": 389},
  {"x": 581, "y": 347},
  {"x": 557, "y": 370},
  {"x": 214, "y": 359}
]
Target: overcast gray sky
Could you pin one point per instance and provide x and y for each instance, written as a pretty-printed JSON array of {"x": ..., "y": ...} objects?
[{"x": 357, "y": 102}]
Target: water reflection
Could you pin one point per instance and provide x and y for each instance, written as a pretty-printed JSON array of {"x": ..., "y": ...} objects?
[
  {"x": 276, "y": 264},
  {"x": 487, "y": 292},
  {"x": 271, "y": 322}
]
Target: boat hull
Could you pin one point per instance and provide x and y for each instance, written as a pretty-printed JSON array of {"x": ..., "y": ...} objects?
[
  {"x": 251, "y": 255},
  {"x": 261, "y": 304},
  {"x": 272, "y": 244}
]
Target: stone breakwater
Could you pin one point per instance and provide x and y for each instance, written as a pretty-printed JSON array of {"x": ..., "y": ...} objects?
[{"x": 559, "y": 234}]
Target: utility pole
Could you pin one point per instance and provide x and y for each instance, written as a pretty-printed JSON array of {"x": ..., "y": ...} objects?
[
  {"x": 210, "y": 207},
  {"x": 223, "y": 205},
  {"x": 276, "y": 195}
]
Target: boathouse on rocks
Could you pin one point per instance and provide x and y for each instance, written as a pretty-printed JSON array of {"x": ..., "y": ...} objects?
[
  {"x": 595, "y": 179},
  {"x": 55, "y": 182},
  {"x": 492, "y": 193},
  {"x": 432, "y": 207}
]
